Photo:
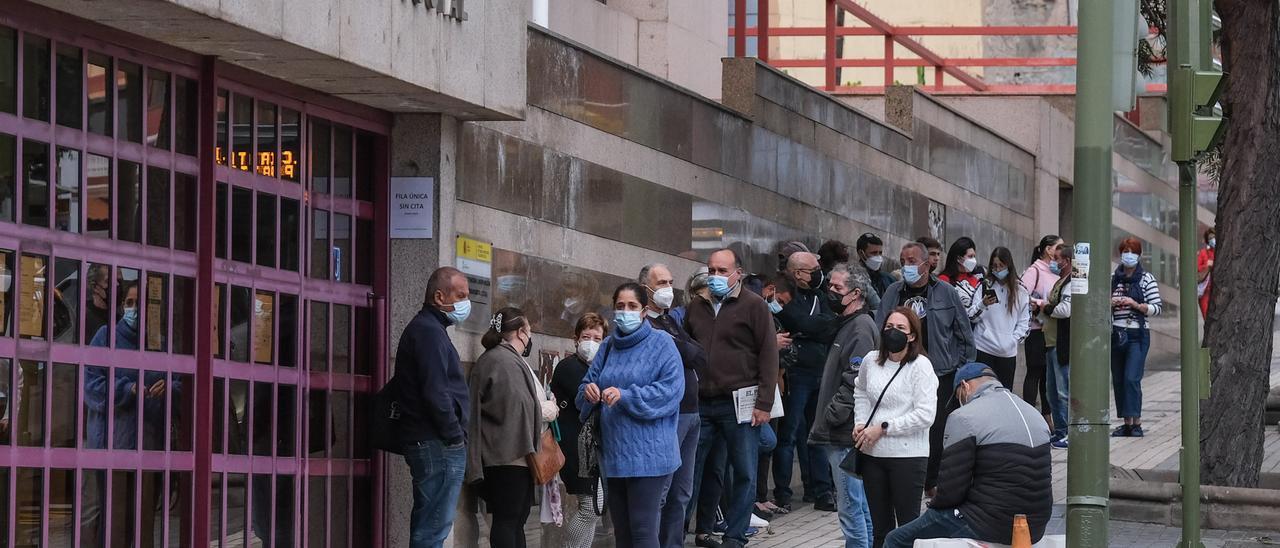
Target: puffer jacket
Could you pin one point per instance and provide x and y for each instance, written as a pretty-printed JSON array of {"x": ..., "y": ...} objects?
[
  {"x": 996, "y": 464},
  {"x": 834, "y": 422}
]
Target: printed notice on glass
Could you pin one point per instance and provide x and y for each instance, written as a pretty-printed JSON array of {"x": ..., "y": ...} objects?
[
  {"x": 744, "y": 402},
  {"x": 411, "y": 207},
  {"x": 1080, "y": 269},
  {"x": 263, "y": 324},
  {"x": 31, "y": 297}
]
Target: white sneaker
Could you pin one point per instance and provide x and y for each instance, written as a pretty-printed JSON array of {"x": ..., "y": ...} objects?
[{"x": 757, "y": 522}]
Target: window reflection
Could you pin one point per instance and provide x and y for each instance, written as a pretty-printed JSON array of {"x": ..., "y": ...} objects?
[
  {"x": 97, "y": 302},
  {"x": 319, "y": 438},
  {"x": 341, "y": 338},
  {"x": 264, "y": 317},
  {"x": 364, "y": 341},
  {"x": 28, "y": 525},
  {"x": 290, "y": 234},
  {"x": 153, "y": 391},
  {"x": 31, "y": 298},
  {"x": 215, "y": 506},
  {"x": 62, "y": 418},
  {"x": 342, "y": 248},
  {"x": 287, "y": 353},
  {"x": 97, "y": 193},
  {"x": 241, "y": 314},
  {"x": 266, "y": 249},
  {"x": 184, "y": 305},
  {"x": 286, "y": 419},
  {"x": 6, "y": 292},
  {"x": 158, "y": 209},
  {"x": 70, "y": 86},
  {"x": 290, "y": 144},
  {"x": 220, "y": 216},
  {"x": 124, "y": 408},
  {"x": 93, "y": 492},
  {"x": 152, "y": 506},
  {"x": 124, "y": 502},
  {"x": 97, "y": 394},
  {"x": 316, "y": 516},
  {"x": 320, "y": 244},
  {"x": 263, "y": 406},
  {"x": 30, "y": 426},
  {"x": 35, "y": 188},
  {"x": 284, "y": 511},
  {"x": 366, "y": 164},
  {"x": 341, "y": 161},
  {"x": 66, "y": 301},
  {"x": 241, "y": 133},
  {"x": 363, "y": 261},
  {"x": 6, "y": 403},
  {"x": 157, "y": 312},
  {"x": 319, "y": 354},
  {"x": 219, "y": 319},
  {"x": 129, "y": 201},
  {"x": 129, "y": 102},
  {"x": 62, "y": 506},
  {"x": 265, "y": 160},
  {"x": 237, "y": 497},
  {"x": 339, "y": 511},
  {"x": 340, "y": 406},
  {"x": 361, "y": 442},
  {"x": 219, "y": 413},
  {"x": 180, "y": 496},
  {"x": 67, "y": 191},
  {"x": 126, "y": 320},
  {"x": 321, "y": 139},
  {"x": 237, "y": 413},
  {"x": 242, "y": 225},
  {"x": 36, "y": 78},
  {"x": 101, "y": 85},
  {"x": 158, "y": 112},
  {"x": 8, "y": 176},
  {"x": 181, "y": 412},
  {"x": 261, "y": 490},
  {"x": 220, "y": 114},
  {"x": 186, "y": 115},
  {"x": 8, "y": 77},
  {"x": 184, "y": 212}
]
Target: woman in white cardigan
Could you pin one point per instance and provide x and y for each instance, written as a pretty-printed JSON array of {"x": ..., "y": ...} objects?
[
  {"x": 1003, "y": 311},
  {"x": 893, "y": 436}
]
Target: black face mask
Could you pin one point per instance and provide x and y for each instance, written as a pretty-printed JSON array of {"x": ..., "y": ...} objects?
[
  {"x": 892, "y": 340},
  {"x": 835, "y": 301},
  {"x": 528, "y": 347}
]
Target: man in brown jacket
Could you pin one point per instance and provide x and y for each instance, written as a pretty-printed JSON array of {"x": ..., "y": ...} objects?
[{"x": 736, "y": 330}]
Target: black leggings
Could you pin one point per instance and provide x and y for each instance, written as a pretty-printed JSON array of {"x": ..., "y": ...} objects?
[
  {"x": 635, "y": 506},
  {"x": 1034, "y": 382},
  {"x": 894, "y": 487},
  {"x": 508, "y": 495},
  {"x": 946, "y": 404},
  {"x": 1005, "y": 368}
]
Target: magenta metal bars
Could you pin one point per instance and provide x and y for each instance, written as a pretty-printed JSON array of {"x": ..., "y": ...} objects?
[{"x": 191, "y": 304}]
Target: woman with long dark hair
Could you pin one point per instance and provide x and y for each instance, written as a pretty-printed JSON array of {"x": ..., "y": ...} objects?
[
  {"x": 959, "y": 269},
  {"x": 1038, "y": 280},
  {"x": 1001, "y": 309}
]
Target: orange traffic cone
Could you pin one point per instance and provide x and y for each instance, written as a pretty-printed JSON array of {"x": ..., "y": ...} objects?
[{"x": 1021, "y": 532}]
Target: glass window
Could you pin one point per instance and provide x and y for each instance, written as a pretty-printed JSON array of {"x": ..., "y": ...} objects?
[
  {"x": 361, "y": 442},
  {"x": 319, "y": 355},
  {"x": 66, "y": 301},
  {"x": 266, "y": 249},
  {"x": 8, "y": 74},
  {"x": 290, "y": 234},
  {"x": 6, "y": 400},
  {"x": 366, "y": 164},
  {"x": 36, "y": 79},
  {"x": 158, "y": 206},
  {"x": 179, "y": 505},
  {"x": 97, "y": 195},
  {"x": 284, "y": 511},
  {"x": 320, "y": 244},
  {"x": 35, "y": 189},
  {"x": 8, "y": 176},
  {"x": 219, "y": 319},
  {"x": 129, "y": 102},
  {"x": 339, "y": 511},
  {"x": 93, "y": 490},
  {"x": 317, "y": 518},
  {"x": 220, "y": 198},
  {"x": 261, "y": 492},
  {"x": 321, "y": 138},
  {"x": 341, "y": 338},
  {"x": 158, "y": 112},
  {"x": 101, "y": 86},
  {"x": 288, "y": 337},
  {"x": 128, "y": 328},
  {"x": 184, "y": 212},
  {"x": 124, "y": 408},
  {"x": 62, "y": 498},
  {"x": 219, "y": 413},
  {"x": 263, "y": 406},
  {"x": 318, "y": 437},
  {"x": 62, "y": 418},
  {"x": 184, "y": 306},
  {"x": 365, "y": 335},
  {"x": 341, "y": 247},
  {"x": 97, "y": 406},
  {"x": 237, "y": 486},
  {"x": 157, "y": 313},
  {"x": 237, "y": 412},
  {"x": 264, "y": 318},
  {"x": 30, "y": 487},
  {"x": 242, "y": 225},
  {"x": 181, "y": 413},
  {"x": 220, "y": 113},
  {"x": 124, "y": 502},
  {"x": 70, "y": 66},
  {"x": 6, "y": 294},
  {"x": 265, "y": 163},
  {"x": 241, "y": 132},
  {"x": 186, "y": 115},
  {"x": 97, "y": 304},
  {"x": 153, "y": 507},
  {"x": 340, "y": 405},
  {"x": 152, "y": 392},
  {"x": 341, "y": 161},
  {"x": 31, "y": 304},
  {"x": 290, "y": 144},
  {"x": 241, "y": 306},
  {"x": 129, "y": 201},
  {"x": 29, "y": 426},
  {"x": 363, "y": 260},
  {"x": 67, "y": 191}
]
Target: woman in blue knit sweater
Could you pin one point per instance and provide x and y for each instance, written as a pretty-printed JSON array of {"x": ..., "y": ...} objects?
[{"x": 639, "y": 379}]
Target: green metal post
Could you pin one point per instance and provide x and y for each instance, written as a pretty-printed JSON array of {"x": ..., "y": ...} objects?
[{"x": 1089, "y": 456}]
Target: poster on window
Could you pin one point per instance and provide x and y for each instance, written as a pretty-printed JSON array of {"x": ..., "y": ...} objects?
[
  {"x": 263, "y": 324},
  {"x": 155, "y": 313},
  {"x": 32, "y": 297}
]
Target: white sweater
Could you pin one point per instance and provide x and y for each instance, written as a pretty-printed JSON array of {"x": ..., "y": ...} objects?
[
  {"x": 997, "y": 331},
  {"x": 908, "y": 405}
]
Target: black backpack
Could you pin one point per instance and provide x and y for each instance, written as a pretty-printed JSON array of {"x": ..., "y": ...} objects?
[{"x": 384, "y": 420}]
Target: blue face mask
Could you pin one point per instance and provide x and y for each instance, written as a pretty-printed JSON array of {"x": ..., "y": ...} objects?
[
  {"x": 130, "y": 317},
  {"x": 719, "y": 285},
  {"x": 1129, "y": 259},
  {"x": 461, "y": 310},
  {"x": 1002, "y": 273},
  {"x": 627, "y": 320},
  {"x": 1055, "y": 268},
  {"x": 911, "y": 274},
  {"x": 774, "y": 307}
]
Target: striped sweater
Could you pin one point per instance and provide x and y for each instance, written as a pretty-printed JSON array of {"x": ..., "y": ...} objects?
[{"x": 1128, "y": 318}]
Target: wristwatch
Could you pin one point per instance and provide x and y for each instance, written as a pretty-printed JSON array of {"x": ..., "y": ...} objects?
[{"x": 884, "y": 425}]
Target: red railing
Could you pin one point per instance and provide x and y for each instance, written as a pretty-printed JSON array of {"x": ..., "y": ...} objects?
[{"x": 901, "y": 36}]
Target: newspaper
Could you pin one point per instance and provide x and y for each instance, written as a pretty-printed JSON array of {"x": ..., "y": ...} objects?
[{"x": 744, "y": 401}]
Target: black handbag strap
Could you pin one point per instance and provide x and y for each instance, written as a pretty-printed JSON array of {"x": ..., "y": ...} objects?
[{"x": 886, "y": 389}]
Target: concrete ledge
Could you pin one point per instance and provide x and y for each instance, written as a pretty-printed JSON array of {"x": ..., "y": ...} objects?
[{"x": 1158, "y": 499}]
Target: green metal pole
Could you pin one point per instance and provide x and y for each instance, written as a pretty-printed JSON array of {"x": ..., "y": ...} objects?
[{"x": 1089, "y": 456}]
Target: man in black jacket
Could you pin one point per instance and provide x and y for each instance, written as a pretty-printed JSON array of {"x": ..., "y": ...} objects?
[
  {"x": 433, "y": 429},
  {"x": 995, "y": 465},
  {"x": 812, "y": 325}
]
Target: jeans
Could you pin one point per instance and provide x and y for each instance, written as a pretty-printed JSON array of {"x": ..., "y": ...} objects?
[
  {"x": 801, "y": 404},
  {"x": 1128, "y": 361},
  {"x": 851, "y": 500},
  {"x": 894, "y": 487},
  {"x": 634, "y": 506},
  {"x": 679, "y": 488},
  {"x": 933, "y": 524},
  {"x": 742, "y": 441},
  {"x": 1058, "y": 382},
  {"x": 437, "y": 473}
]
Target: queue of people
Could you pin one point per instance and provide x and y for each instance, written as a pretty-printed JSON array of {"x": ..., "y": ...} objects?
[{"x": 895, "y": 384}]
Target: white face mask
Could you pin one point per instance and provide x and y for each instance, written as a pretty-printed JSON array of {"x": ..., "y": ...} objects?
[
  {"x": 874, "y": 263},
  {"x": 587, "y": 350},
  {"x": 970, "y": 264},
  {"x": 663, "y": 297}
]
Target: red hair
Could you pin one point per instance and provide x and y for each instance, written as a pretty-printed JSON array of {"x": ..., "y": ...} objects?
[{"x": 1131, "y": 244}]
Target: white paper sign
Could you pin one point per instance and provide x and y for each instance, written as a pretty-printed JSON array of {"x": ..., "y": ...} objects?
[
  {"x": 1080, "y": 269},
  {"x": 411, "y": 207}
]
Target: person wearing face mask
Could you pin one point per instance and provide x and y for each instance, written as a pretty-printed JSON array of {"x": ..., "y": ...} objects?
[
  {"x": 509, "y": 411},
  {"x": 894, "y": 399},
  {"x": 580, "y": 528},
  {"x": 1057, "y": 339},
  {"x": 996, "y": 465},
  {"x": 1135, "y": 296},
  {"x": 433, "y": 432},
  {"x": 736, "y": 330},
  {"x": 1038, "y": 280},
  {"x": 1003, "y": 317},
  {"x": 871, "y": 256},
  {"x": 658, "y": 282},
  {"x": 1204, "y": 271},
  {"x": 811, "y": 324},
  {"x": 960, "y": 268},
  {"x": 636, "y": 381},
  {"x": 834, "y": 422},
  {"x": 946, "y": 334}
]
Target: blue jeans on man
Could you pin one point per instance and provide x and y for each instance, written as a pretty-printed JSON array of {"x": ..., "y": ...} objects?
[
  {"x": 437, "y": 472},
  {"x": 1058, "y": 386},
  {"x": 851, "y": 501},
  {"x": 679, "y": 489},
  {"x": 931, "y": 524},
  {"x": 801, "y": 404},
  {"x": 720, "y": 427}
]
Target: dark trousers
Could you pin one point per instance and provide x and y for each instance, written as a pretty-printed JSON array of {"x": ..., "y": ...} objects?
[
  {"x": 801, "y": 405},
  {"x": 894, "y": 487},
  {"x": 720, "y": 427},
  {"x": 679, "y": 489},
  {"x": 1128, "y": 362},
  {"x": 1003, "y": 367},
  {"x": 1034, "y": 383},
  {"x": 635, "y": 507},
  {"x": 508, "y": 495},
  {"x": 946, "y": 404}
]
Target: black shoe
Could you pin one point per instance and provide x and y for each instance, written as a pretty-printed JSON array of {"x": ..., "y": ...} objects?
[
  {"x": 1135, "y": 431},
  {"x": 808, "y": 498},
  {"x": 1122, "y": 431},
  {"x": 825, "y": 505},
  {"x": 707, "y": 541}
]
